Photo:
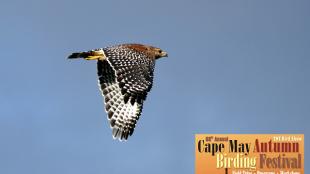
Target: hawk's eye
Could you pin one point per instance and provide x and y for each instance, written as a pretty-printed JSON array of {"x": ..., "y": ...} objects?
[{"x": 160, "y": 51}]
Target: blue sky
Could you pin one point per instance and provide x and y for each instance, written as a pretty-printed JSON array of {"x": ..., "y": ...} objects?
[{"x": 233, "y": 67}]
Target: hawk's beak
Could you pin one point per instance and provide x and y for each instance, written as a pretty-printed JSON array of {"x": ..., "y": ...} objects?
[{"x": 164, "y": 54}]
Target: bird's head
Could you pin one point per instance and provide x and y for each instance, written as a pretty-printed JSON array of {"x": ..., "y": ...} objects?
[{"x": 159, "y": 53}]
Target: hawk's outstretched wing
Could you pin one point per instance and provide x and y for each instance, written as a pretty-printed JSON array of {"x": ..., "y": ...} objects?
[{"x": 125, "y": 77}]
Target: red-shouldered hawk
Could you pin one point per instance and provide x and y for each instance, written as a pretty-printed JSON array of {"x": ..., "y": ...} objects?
[{"x": 125, "y": 77}]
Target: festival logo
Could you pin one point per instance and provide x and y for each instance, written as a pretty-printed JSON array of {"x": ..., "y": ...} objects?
[{"x": 249, "y": 154}]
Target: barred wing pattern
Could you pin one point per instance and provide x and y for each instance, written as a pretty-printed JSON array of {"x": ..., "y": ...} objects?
[{"x": 125, "y": 78}]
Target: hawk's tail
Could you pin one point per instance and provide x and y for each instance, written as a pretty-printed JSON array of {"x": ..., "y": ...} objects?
[
  {"x": 78, "y": 55},
  {"x": 88, "y": 55}
]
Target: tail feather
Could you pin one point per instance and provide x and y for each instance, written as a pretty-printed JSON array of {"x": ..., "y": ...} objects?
[{"x": 78, "y": 55}]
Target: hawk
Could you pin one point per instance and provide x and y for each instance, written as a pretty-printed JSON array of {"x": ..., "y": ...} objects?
[{"x": 125, "y": 77}]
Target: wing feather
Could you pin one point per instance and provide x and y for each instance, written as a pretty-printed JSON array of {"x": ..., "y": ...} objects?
[
  {"x": 122, "y": 116},
  {"x": 134, "y": 71}
]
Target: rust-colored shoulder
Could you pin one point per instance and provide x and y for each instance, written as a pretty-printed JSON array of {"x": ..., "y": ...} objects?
[
  {"x": 137, "y": 47},
  {"x": 143, "y": 49},
  {"x": 150, "y": 51}
]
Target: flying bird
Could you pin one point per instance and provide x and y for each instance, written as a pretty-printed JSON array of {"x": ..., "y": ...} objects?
[{"x": 125, "y": 77}]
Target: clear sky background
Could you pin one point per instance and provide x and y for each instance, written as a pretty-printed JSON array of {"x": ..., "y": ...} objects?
[{"x": 233, "y": 67}]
